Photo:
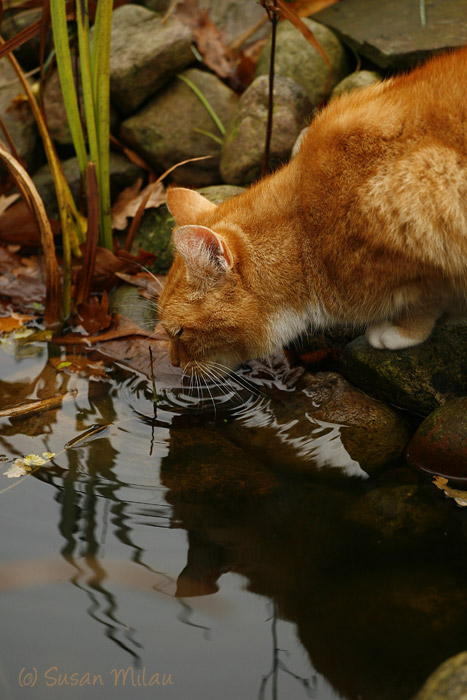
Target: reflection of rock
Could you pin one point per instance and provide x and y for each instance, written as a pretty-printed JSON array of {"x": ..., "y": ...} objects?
[
  {"x": 448, "y": 682},
  {"x": 202, "y": 464},
  {"x": 326, "y": 425},
  {"x": 374, "y": 622},
  {"x": 393, "y": 516},
  {"x": 420, "y": 378},
  {"x": 440, "y": 444}
]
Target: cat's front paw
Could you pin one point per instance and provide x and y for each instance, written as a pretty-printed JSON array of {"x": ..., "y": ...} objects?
[{"x": 389, "y": 336}]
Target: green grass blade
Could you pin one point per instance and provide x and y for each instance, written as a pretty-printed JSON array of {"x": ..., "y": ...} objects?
[
  {"x": 204, "y": 102},
  {"x": 102, "y": 105},
  {"x": 65, "y": 71},
  {"x": 82, "y": 17}
]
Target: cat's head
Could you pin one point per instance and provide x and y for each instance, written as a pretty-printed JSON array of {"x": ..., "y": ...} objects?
[{"x": 207, "y": 308}]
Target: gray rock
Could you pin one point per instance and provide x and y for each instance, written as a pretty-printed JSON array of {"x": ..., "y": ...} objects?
[
  {"x": 354, "y": 81},
  {"x": 391, "y": 34},
  {"x": 123, "y": 173},
  {"x": 57, "y": 120},
  {"x": 420, "y": 378},
  {"x": 448, "y": 682},
  {"x": 155, "y": 230},
  {"x": 296, "y": 58},
  {"x": 165, "y": 132},
  {"x": 145, "y": 55},
  {"x": 18, "y": 118},
  {"x": 440, "y": 444},
  {"x": 234, "y": 17},
  {"x": 28, "y": 53},
  {"x": 243, "y": 148},
  {"x": 325, "y": 426}
]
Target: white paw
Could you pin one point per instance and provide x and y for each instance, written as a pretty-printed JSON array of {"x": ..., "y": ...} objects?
[{"x": 386, "y": 335}]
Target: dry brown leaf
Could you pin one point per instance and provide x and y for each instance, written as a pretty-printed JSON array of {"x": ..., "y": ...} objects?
[
  {"x": 121, "y": 327},
  {"x": 80, "y": 364},
  {"x": 128, "y": 201},
  {"x": 94, "y": 314},
  {"x": 305, "y": 8},
  {"x": 209, "y": 39},
  {"x": 459, "y": 496},
  {"x": 11, "y": 323}
]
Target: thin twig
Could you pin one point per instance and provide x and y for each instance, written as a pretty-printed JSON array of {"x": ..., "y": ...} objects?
[{"x": 273, "y": 14}]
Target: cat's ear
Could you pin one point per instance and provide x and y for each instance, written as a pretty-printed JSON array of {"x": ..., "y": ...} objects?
[
  {"x": 205, "y": 253},
  {"x": 186, "y": 206}
]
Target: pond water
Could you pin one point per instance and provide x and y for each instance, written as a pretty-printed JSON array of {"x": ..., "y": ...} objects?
[{"x": 142, "y": 562}]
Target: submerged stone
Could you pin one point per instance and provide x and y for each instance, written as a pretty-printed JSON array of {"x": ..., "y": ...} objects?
[
  {"x": 440, "y": 444},
  {"x": 420, "y": 378}
]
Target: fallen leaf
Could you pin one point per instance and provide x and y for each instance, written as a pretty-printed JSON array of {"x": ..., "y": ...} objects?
[
  {"x": 121, "y": 326},
  {"x": 305, "y": 8},
  {"x": 209, "y": 39},
  {"x": 94, "y": 314},
  {"x": 128, "y": 201},
  {"x": 11, "y": 323},
  {"x": 18, "y": 225},
  {"x": 81, "y": 365},
  {"x": 459, "y": 496}
]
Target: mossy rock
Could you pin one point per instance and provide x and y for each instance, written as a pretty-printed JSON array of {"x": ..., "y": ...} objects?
[{"x": 448, "y": 682}]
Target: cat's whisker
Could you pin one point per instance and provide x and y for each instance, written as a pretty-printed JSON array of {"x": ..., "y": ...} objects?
[
  {"x": 243, "y": 381},
  {"x": 222, "y": 382}
]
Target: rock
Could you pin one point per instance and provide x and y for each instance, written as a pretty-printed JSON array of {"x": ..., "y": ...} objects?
[
  {"x": 145, "y": 55},
  {"x": 243, "y": 148},
  {"x": 233, "y": 18},
  {"x": 18, "y": 118},
  {"x": 57, "y": 120},
  {"x": 391, "y": 34},
  {"x": 202, "y": 464},
  {"x": 326, "y": 426},
  {"x": 448, "y": 682},
  {"x": 28, "y": 53},
  {"x": 420, "y": 378},
  {"x": 297, "y": 59},
  {"x": 127, "y": 300},
  {"x": 165, "y": 132},
  {"x": 155, "y": 230},
  {"x": 123, "y": 173},
  {"x": 219, "y": 193},
  {"x": 440, "y": 444},
  {"x": 160, "y": 6},
  {"x": 360, "y": 79},
  {"x": 404, "y": 516}
]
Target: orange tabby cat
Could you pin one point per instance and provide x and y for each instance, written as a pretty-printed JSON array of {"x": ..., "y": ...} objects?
[{"x": 366, "y": 225}]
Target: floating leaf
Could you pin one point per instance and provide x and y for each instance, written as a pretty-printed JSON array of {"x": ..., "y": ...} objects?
[{"x": 459, "y": 496}]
